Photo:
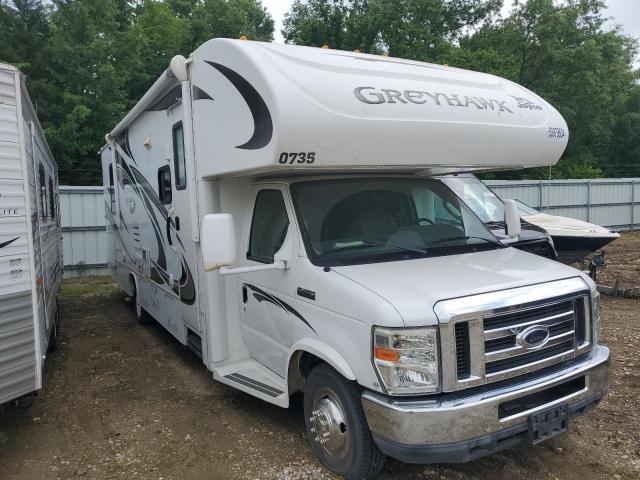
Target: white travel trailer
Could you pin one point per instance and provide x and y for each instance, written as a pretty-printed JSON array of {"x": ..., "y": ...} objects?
[
  {"x": 30, "y": 242},
  {"x": 274, "y": 208}
]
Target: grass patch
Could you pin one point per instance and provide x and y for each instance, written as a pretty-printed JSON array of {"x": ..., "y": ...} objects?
[{"x": 86, "y": 287}]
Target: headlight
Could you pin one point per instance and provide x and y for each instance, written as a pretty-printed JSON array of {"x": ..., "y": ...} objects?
[
  {"x": 595, "y": 315},
  {"x": 407, "y": 359}
]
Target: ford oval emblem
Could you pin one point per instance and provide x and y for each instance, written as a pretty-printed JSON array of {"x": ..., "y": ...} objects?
[{"x": 534, "y": 336}]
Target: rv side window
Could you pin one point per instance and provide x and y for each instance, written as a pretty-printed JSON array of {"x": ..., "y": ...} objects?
[
  {"x": 112, "y": 192},
  {"x": 52, "y": 200},
  {"x": 43, "y": 192},
  {"x": 178, "y": 157},
  {"x": 268, "y": 226},
  {"x": 164, "y": 185}
]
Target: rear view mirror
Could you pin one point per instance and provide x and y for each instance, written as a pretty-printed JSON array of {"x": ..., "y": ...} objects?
[
  {"x": 218, "y": 241},
  {"x": 513, "y": 226}
]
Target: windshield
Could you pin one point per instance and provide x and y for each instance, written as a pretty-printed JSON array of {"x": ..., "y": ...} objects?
[
  {"x": 364, "y": 220},
  {"x": 478, "y": 197}
]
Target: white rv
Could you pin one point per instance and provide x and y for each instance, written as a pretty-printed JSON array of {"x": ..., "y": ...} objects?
[
  {"x": 274, "y": 208},
  {"x": 30, "y": 242}
]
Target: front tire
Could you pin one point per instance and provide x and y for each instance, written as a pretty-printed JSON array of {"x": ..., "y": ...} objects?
[{"x": 337, "y": 427}]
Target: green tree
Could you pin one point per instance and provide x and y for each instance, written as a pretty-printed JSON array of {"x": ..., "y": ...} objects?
[
  {"x": 230, "y": 19},
  {"x": 94, "y": 56},
  {"x": 316, "y": 23},
  {"x": 25, "y": 38},
  {"x": 561, "y": 52},
  {"x": 415, "y": 29}
]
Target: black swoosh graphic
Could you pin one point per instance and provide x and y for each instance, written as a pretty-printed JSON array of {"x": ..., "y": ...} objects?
[
  {"x": 263, "y": 126},
  {"x": 199, "y": 94},
  {"x": 262, "y": 296},
  {"x": 150, "y": 203},
  {"x": 8, "y": 242}
]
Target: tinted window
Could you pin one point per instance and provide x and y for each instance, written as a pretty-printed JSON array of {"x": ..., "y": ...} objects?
[
  {"x": 178, "y": 157},
  {"x": 164, "y": 185},
  {"x": 268, "y": 227}
]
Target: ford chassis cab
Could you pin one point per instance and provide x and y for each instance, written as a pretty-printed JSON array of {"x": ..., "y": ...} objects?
[{"x": 279, "y": 211}]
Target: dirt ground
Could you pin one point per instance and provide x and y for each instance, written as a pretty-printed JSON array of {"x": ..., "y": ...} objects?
[
  {"x": 125, "y": 401},
  {"x": 622, "y": 262}
]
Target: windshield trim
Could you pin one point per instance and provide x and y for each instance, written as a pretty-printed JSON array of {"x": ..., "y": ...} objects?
[{"x": 433, "y": 251}]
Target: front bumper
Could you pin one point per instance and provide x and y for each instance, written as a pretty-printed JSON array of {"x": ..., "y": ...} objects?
[{"x": 454, "y": 428}]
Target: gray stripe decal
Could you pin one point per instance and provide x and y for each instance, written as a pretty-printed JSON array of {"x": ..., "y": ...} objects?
[{"x": 256, "y": 385}]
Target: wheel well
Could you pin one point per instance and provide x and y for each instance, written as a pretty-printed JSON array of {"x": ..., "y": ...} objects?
[
  {"x": 300, "y": 366},
  {"x": 132, "y": 285}
]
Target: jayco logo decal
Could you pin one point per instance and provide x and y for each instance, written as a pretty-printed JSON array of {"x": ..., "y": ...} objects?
[
  {"x": 372, "y": 96},
  {"x": 526, "y": 103}
]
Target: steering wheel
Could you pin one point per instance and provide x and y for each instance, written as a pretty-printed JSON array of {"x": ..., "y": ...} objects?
[
  {"x": 428, "y": 220},
  {"x": 450, "y": 207}
]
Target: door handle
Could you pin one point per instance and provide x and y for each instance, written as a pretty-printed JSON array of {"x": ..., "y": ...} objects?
[{"x": 245, "y": 297}]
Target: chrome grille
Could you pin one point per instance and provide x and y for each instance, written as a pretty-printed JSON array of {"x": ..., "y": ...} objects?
[
  {"x": 505, "y": 357},
  {"x": 479, "y": 333}
]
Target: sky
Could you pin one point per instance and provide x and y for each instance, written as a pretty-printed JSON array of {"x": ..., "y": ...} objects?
[{"x": 624, "y": 12}]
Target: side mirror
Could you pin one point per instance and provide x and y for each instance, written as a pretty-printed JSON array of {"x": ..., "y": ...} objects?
[
  {"x": 513, "y": 226},
  {"x": 218, "y": 241}
]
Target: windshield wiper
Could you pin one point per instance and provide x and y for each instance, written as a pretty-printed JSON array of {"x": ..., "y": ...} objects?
[
  {"x": 464, "y": 237},
  {"x": 375, "y": 244}
]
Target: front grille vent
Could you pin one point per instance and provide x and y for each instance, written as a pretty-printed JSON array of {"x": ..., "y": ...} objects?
[
  {"x": 505, "y": 357},
  {"x": 463, "y": 354}
]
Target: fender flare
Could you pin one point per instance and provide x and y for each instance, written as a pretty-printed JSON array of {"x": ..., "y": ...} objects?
[{"x": 324, "y": 352}]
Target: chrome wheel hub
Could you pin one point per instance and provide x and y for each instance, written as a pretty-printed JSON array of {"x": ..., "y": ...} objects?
[{"x": 328, "y": 425}]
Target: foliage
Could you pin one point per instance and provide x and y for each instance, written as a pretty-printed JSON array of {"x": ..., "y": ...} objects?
[{"x": 87, "y": 62}]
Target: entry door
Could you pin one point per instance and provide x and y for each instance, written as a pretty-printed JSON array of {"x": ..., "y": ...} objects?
[
  {"x": 267, "y": 296},
  {"x": 180, "y": 223}
]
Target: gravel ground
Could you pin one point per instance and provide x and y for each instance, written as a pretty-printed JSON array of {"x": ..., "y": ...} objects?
[
  {"x": 123, "y": 401},
  {"x": 623, "y": 262}
]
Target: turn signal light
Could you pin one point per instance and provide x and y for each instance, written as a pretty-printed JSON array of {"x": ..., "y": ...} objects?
[{"x": 387, "y": 354}]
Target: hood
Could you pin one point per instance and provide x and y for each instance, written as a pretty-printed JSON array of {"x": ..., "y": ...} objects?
[
  {"x": 556, "y": 225},
  {"x": 414, "y": 286}
]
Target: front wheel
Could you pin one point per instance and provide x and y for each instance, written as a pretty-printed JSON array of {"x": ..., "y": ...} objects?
[{"x": 337, "y": 427}]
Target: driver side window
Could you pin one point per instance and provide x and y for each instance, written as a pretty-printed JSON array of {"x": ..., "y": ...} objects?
[{"x": 268, "y": 226}]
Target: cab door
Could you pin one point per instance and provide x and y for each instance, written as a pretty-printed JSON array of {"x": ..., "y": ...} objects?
[{"x": 267, "y": 296}]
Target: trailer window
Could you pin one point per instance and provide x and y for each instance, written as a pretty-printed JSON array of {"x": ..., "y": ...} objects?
[
  {"x": 268, "y": 226},
  {"x": 43, "y": 192},
  {"x": 111, "y": 189},
  {"x": 164, "y": 185},
  {"x": 178, "y": 157},
  {"x": 52, "y": 200}
]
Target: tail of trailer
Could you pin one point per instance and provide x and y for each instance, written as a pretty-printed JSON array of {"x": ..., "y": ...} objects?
[{"x": 30, "y": 242}]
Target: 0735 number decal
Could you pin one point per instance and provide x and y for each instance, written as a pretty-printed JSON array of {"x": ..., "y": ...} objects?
[{"x": 296, "y": 157}]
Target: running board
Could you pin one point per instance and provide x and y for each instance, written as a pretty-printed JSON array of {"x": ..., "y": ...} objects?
[
  {"x": 255, "y": 384},
  {"x": 256, "y": 379}
]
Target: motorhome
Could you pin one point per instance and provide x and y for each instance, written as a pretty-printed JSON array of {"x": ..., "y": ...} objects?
[
  {"x": 30, "y": 243},
  {"x": 276, "y": 209}
]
